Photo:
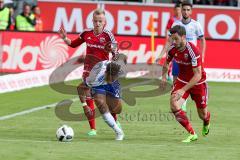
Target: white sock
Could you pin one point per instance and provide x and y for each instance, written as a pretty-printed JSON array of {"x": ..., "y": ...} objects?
[{"x": 108, "y": 118}]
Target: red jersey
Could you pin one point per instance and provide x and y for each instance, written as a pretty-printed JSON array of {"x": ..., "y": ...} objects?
[
  {"x": 187, "y": 59},
  {"x": 95, "y": 46},
  {"x": 171, "y": 21}
]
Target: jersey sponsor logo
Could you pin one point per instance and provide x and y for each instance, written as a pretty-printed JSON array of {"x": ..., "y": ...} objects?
[
  {"x": 88, "y": 38},
  {"x": 184, "y": 63},
  {"x": 95, "y": 46}
]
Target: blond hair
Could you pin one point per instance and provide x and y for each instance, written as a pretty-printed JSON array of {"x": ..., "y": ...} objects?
[{"x": 98, "y": 12}]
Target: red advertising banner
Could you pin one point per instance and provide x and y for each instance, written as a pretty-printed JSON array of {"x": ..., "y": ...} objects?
[
  {"x": 27, "y": 51},
  {"x": 129, "y": 19}
]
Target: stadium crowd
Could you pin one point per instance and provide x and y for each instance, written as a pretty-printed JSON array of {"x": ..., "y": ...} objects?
[{"x": 22, "y": 15}]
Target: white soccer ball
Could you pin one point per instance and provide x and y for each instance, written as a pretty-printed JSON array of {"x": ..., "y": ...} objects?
[{"x": 65, "y": 133}]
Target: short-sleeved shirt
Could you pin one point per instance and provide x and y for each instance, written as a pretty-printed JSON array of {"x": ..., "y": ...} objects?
[
  {"x": 171, "y": 21},
  {"x": 96, "y": 47},
  {"x": 187, "y": 59},
  {"x": 193, "y": 30},
  {"x": 97, "y": 74}
]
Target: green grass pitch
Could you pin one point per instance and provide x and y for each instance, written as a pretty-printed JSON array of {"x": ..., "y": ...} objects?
[{"x": 151, "y": 132}]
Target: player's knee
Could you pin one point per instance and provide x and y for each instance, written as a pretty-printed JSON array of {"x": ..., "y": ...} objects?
[
  {"x": 101, "y": 104},
  {"x": 173, "y": 105}
]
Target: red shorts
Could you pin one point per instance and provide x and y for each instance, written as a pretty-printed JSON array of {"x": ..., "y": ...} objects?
[{"x": 199, "y": 93}]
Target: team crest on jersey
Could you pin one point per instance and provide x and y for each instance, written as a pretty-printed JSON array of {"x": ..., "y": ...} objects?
[
  {"x": 102, "y": 40},
  {"x": 186, "y": 56}
]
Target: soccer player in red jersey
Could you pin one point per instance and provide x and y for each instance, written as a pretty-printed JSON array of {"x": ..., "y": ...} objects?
[
  {"x": 176, "y": 17},
  {"x": 190, "y": 81},
  {"x": 98, "y": 42}
]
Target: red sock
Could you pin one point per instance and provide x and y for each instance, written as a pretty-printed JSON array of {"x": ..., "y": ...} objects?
[
  {"x": 207, "y": 119},
  {"x": 91, "y": 119},
  {"x": 183, "y": 120},
  {"x": 114, "y": 116}
]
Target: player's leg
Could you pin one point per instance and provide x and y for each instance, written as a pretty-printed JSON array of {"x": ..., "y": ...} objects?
[
  {"x": 114, "y": 100},
  {"x": 100, "y": 100},
  {"x": 115, "y": 104},
  {"x": 175, "y": 72},
  {"x": 179, "y": 114},
  {"x": 204, "y": 114},
  {"x": 88, "y": 107},
  {"x": 200, "y": 96},
  {"x": 115, "y": 107}
]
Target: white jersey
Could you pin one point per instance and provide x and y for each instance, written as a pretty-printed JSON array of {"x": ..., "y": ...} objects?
[
  {"x": 97, "y": 74},
  {"x": 193, "y": 30}
]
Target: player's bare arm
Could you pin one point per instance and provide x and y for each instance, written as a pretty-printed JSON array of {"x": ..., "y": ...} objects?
[
  {"x": 63, "y": 34},
  {"x": 169, "y": 42},
  {"x": 203, "y": 47},
  {"x": 164, "y": 75},
  {"x": 72, "y": 43}
]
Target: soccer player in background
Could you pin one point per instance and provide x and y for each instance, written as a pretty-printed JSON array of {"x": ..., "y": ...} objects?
[
  {"x": 98, "y": 40},
  {"x": 177, "y": 16},
  {"x": 106, "y": 90},
  {"x": 194, "y": 30},
  {"x": 190, "y": 81}
]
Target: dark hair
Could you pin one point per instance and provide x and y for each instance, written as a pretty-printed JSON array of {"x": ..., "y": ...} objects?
[
  {"x": 113, "y": 69},
  {"x": 187, "y": 3},
  {"x": 26, "y": 4},
  {"x": 180, "y": 30},
  {"x": 33, "y": 7},
  {"x": 177, "y": 5}
]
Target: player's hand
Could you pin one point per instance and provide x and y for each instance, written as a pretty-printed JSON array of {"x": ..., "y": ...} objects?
[
  {"x": 163, "y": 83},
  {"x": 88, "y": 111},
  {"x": 178, "y": 94},
  {"x": 111, "y": 47},
  {"x": 157, "y": 60},
  {"x": 62, "y": 33},
  {"x": 115, "y": 57}
]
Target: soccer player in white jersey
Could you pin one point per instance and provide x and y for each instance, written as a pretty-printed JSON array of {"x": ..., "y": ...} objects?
[
  {"x": 106, "y": 90},
  {"x": 193, "y": 28}
]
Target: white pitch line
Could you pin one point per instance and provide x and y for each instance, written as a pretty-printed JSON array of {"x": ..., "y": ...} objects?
[
  {"x": 54, "y": 104},
  {"x": 31, "y": 110}
]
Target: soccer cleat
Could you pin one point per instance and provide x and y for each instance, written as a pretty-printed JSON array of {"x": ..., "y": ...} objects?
[
  {"x": 119, "y": 124},
  {"x": 190, "y": 138},
  {"x": 205, "y": 129},
  {"x": 119, "y": 136},
  {"x": 93, "y": 132}
]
